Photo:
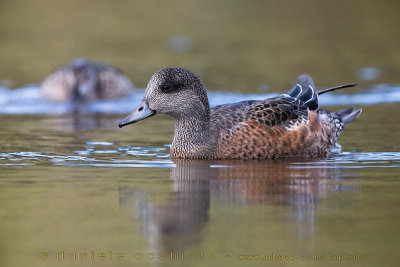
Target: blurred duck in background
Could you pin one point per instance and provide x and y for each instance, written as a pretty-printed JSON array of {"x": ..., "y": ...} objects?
[{"x": 83, "y": 81}]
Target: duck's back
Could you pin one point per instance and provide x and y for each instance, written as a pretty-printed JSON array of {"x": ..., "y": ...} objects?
[
  {"x": 285, "y": 126},
  {"x": 97, "y": 81}
]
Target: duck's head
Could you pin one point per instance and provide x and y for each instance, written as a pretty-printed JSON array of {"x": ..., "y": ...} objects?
[{"x": 174, "y": 91}]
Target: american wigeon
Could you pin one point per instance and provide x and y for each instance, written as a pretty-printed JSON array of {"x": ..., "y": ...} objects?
[
  {"x": 84, "y": 81},
  {"x": 288, "y": 125}
]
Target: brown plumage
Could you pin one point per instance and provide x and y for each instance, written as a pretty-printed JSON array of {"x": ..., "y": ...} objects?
[
  {"x": 288, "y": 125},
  {"x": 83, "y": 81}
]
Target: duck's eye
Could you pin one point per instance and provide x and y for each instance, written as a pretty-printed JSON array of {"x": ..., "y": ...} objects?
[{"x": 166, "y": 87}]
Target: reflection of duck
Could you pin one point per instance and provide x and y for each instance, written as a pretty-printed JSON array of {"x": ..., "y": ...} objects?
[
  {"x": 258, "y": 182},
  {"x": 269, "y": 185},
  {"x": 177, "y": 222},
  {"x": 288, "y": 125},
  {"x": 83, "y": 81}
]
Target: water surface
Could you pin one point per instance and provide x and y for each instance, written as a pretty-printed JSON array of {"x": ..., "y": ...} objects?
[{"x": 81, "y": 185}]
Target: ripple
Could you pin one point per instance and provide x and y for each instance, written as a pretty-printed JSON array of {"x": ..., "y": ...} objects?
[
  {"x": 89, "y": 157},
  {"x": 355, "y": 160},
  {"x": 99, "y": 143},
  {"x": 94, "y": 155}
]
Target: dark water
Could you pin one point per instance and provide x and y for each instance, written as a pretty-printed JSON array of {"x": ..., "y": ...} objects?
[{"x": 76, "y": 185}]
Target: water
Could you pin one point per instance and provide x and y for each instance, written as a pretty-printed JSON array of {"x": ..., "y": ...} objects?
[
  {"x": 80, "y": 185},
  {"x": 75, "y": 190}
]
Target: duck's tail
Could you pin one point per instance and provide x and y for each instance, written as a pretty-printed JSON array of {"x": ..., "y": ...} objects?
[
  {"x": 304, "y": 90},
  {"x": 305, "y": 87},
  {"x": 348, "y": 115},
  {"x": 323, "y": 91}
]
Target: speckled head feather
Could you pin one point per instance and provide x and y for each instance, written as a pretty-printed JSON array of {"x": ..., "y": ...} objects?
[
  {"x": 177, "y": 92},
  {"x": 288, "y": 125}
]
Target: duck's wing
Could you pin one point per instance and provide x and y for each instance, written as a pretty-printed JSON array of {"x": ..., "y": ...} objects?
[
  {"x": 114, "y": 84},
  {"x": 289, "y": 110},
  {"x": 287, "y": 125},
  {"x": 59, "y": 85},
  {"x": 275, "y": 127},
  {"x": 304, "y": 90}
]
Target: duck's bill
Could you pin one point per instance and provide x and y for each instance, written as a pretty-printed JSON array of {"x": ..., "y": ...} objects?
[{"x": 141, "y": 113}]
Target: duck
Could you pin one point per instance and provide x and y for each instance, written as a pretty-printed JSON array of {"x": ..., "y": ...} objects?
[
  {"x": 83, "y": 81},
  {"x": 288, "y": 125}
]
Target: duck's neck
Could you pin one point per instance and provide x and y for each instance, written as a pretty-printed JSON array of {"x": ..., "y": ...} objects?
[{"x": 192, "y": 138}]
